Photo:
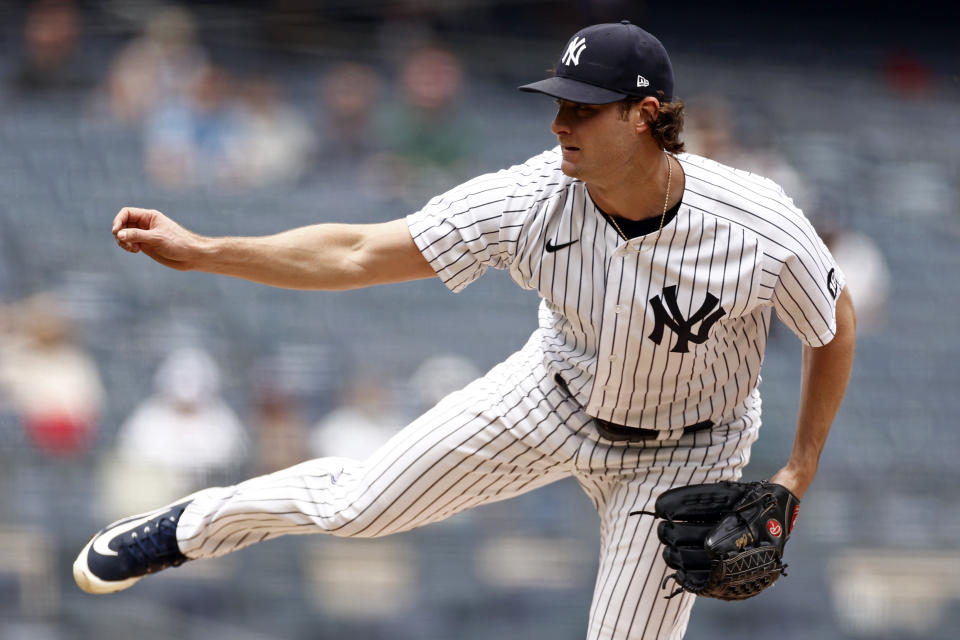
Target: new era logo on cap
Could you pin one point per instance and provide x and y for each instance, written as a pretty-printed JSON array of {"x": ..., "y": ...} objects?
[{"x": 621, "y": 60}]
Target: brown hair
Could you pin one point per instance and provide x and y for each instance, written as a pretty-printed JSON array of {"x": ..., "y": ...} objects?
[{"x": 668, "y": 126}]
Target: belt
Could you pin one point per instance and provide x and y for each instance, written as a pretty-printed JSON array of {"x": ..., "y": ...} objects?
[{"x": 622, "y": 433}]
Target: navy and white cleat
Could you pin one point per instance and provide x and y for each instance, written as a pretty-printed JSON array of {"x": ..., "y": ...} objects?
[{"x": 129, "y": 549}]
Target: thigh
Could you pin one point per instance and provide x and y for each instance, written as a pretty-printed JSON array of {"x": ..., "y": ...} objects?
[
  {"x": 629, "y": 597},
  {"x": 478, "y": 445},
  {"x": 490, "y": 441}
]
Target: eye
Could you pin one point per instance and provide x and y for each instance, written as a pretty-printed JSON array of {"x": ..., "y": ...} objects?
[
  {"x": 585, "y": 110},
  {"x": 579, "y": 110}
]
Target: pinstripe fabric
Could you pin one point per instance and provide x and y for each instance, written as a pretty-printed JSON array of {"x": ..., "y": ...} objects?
[
  {"x": 508, "y": 433},
  {"x": 652, "y": 332},
  {"x": 737, "y": 238}
]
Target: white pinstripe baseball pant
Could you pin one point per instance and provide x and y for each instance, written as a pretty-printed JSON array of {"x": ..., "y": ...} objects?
[{"x": 505, "y": 434}]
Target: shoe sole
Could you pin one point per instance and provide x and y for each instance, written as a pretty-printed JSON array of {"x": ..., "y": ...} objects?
[{"x": 86, "y": 579}]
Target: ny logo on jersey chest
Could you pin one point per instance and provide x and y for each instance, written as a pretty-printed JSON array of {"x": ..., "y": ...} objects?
[{"x": 670, "y": 316}]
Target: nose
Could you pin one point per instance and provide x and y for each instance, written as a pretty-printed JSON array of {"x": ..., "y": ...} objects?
[{"x": 561, "y": 123}]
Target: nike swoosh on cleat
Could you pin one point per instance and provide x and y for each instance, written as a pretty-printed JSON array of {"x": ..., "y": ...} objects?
[
  {"x": 556, "y": 247},
  {"x": 100, "y": 545}
]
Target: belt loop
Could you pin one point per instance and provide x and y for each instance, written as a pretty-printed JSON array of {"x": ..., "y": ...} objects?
[{"x": 672, "y": 434}]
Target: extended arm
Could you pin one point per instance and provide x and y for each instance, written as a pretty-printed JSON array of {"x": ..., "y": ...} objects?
[
  {"x": 322, "y": 256},
  {"x": 825, "y": 373}
]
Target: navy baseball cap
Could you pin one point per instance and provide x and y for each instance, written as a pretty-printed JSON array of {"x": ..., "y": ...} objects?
[{"x": 605, "y": 63}]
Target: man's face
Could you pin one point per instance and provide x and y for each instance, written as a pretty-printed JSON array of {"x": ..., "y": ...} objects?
[{"x": 596, "y": 140}]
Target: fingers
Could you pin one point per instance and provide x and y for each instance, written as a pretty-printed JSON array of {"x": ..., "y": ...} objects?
[
  {"x": 683, "y": 533},
  {"x": 155, "y": 235},
  {"x": 134, "y": 217},
  {"x": 119, "y": 221},
  {"x": 699, "y": 502},
  {"x": 687, "y": 558},
  {"x": 131, "y": 239},
  {"x": 134, "y": 236},
  {"x": 131, "y": 226}
]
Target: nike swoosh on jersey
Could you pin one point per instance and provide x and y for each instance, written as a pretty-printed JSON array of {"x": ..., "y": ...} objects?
[
  {"x": 101, "y": 544},
  {"x": 556, "y": 247}
]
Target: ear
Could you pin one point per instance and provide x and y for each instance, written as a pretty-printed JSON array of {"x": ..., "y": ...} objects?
[{"x": 645, "y": 113}]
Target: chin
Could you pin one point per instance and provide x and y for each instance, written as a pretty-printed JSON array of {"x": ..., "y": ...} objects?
[{"x": 569, "y": 169}]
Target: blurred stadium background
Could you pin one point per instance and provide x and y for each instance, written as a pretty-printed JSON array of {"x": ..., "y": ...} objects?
[{"x": 253, "y": 117}]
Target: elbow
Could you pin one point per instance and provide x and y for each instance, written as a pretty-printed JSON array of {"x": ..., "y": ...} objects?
[
  {"x": 352, "y": 275},
  {"x": 340, "y": 265},
  {"x": 352, "y": 271}
]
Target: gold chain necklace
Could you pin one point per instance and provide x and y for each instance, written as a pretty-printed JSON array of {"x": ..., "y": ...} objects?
[{"x": 666, "y": 201}]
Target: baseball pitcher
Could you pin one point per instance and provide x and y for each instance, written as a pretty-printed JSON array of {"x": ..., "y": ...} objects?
[{"x": 658, "y": 272}]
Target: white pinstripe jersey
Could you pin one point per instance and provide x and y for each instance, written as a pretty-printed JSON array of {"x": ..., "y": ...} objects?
[{"x": 647, "y": 333}]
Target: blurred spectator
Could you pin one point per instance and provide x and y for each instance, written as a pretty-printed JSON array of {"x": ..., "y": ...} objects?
[
  {"x": 711, "y": 131},
  {"x": 906, "y": 73},
  {"x": 281, "y": 431},
  {"x": 708, "y": 127},
  {"x": 427, "y": 132},
  {"x": 195, "y": 140},
  {"x": 348, "y": 95},
  {"x": 156, "y": 67},
  {"x": 50, "y": 381},
  {"x": 364, "y": 420},
  {"x": 50, "y": 65},
  {"x": 439, "y": 376},
  {"x": 275, "y": 142},
  {"x": 427, "y": 127},
  {"x": 180, "y": 438}
]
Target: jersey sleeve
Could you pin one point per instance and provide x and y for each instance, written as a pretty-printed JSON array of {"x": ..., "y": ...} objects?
[
  {"x": 809, "y": 283},
  {"x": 477, "y": 224}
]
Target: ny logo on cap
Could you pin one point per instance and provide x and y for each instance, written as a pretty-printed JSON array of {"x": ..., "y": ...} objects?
[{"x": 574, "y": 49}]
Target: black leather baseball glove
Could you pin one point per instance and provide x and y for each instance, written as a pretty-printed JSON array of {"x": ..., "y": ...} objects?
[{"x": 726, "y": 540}]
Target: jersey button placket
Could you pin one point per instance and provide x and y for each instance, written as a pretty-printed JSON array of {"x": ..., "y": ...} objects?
[{"x": 611, "y": 324}]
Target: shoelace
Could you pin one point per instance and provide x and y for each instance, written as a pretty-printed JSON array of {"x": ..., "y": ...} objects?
[{"x": 146, "y": 547}]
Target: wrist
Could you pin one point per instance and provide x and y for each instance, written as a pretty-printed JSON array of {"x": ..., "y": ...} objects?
[
  {"x": 206, "y": 253},
  {"x": 796, "y": 479}
]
